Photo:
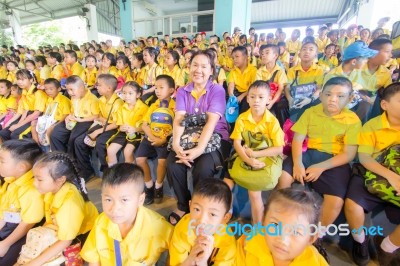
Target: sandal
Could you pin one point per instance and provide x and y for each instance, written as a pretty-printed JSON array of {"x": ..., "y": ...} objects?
[{"x": 176, "y": 217}]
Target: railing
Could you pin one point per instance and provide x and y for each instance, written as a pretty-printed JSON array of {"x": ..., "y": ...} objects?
[{"x": 175, "y": 25}]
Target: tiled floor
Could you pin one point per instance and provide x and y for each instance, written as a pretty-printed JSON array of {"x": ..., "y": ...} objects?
[{"x": 338, "y": 256}]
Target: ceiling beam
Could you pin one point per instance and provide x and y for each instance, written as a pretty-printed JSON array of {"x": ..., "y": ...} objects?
[{"x": 293, "y": 22}]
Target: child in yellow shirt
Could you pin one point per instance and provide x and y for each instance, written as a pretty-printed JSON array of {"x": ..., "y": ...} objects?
[
  {"x": 7, "y": 101},
  {"x": 124, "y": 72},
  {"x": 21, "y": 205},
  {"x": 328, "y": 60},
  {"x": 137, "y": 65},
  {"x": 172, "y": 68},
  {"x": 201, "y": 237},
  {"x": 12, "y": 68},
  {"x": 121, "y": 235},
  {"x": 69, "y": 214},
  {"x": 89, "y": 74},
  {"x": 288, "y": 208},
  {"x": 54, "y": 59},
  {"x": 71, "y": 64}
]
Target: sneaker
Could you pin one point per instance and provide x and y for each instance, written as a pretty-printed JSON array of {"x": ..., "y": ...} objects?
[
  {"x": 360, "y": 252},
  {"x": 319, "y": 246},
  {"x": 149, "y": 195},
  {"x": 384, "y": 258},
  {"x": 158, "y": 194}
]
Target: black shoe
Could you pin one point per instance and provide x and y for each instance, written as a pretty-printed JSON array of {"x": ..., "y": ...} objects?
[
  {"x": 360, "y": 252},
  {"x": 384, "y": 258},
  {"x": 158, "y": 194},
  {"x": 149, "y": 195},
  {"x": 319, "y": 246}
]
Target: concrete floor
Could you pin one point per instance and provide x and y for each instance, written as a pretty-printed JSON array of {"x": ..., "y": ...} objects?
[{"x": 338, "y": 256}]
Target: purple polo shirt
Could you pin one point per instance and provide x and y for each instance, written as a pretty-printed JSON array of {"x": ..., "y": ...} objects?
[{"x": 213, "y": 101}]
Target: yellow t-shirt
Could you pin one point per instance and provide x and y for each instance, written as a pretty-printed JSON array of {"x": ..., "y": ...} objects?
[
  {"x": 57, "y": 72},
  {"x": 285, "y": 59},
  {"x": 242, "y": 80},
  {"x": 293, "y": 46},
  {"x": 21, "y": 196},
  {"x": 354, "y": 76},
  {"x": 135, "y": 74},
  {"x": 377, "y": 135},
  {"x": 45, "y": 73},
  {"x": 221, "y": 75},
  {"x": 3, "y": 72},
  {"x": 149, "y": 74},
  {"x": 34, "y": 100},
  {"x": 105, "y": 107},
  {"x": 314, "y": 74},
  {"x": 264, "y": 74},
  {"x": 321, "y": 43},
  {"x": 256, "y": 252},
  {"x": 63, "y": 107},
  {"x": 176, "y": 74},
  {"x": 89, "y": 77},
  {"x": 328, "y": 64},
  {"x": 87, "y": 106},
  {"x": 143, "y": 245},
  {"x": 268, "y": 128},
  {"x": 11, "y": 76},
  {"x": 8, "y": 103},
  {"x": 125, "y": 115},
  {"x": 228, "y": 62},
  {"x": 126, "y": 74},
  {"x": 392, "y": 62},
  {"x": 372, "y": 82},
  {"x": 112, "y": 70},
  {"x": 328, "y": 134},
  {"x": 67, "y": 211},
  {"x": 182, "y": 242}
]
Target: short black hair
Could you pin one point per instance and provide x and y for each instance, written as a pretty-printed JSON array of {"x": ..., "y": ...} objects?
[
  {"x": 170, "y": 81},
  {"x": 72, "y": 53},
  {"x": 122, "y": 173},
  {"x": 215, "y": 189},
  {"x": 377, "y": 44},
  {"x": 53, "y": 81},
  {"x": 342, "y": 81},
  {"x": 260, "y": 84},
  {"x": 7, "y": 82},
  {"x": 389, "y": 91},
  {"x": 75, "y": 80},
  {"x": 56, "y": 55},
  {"x": 109, "y": 79},
  {"x": 22, "y": 150},
  {"x": 273, "y": 47},
  {"x": 241, "y": 49}
]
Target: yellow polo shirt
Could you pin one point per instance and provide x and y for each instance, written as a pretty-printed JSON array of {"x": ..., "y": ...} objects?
[
  {"x": 244, "y": 79},
  {"x": 86, "y": 106},
  {"x": 182, "y": 242},
  {"x": 67, "y": 211},
  {"x": 111, "y": 70},
  {"x": 314, "y": 74},
  {"x": 377, "y": 135},
  {"x": 45, "y": 73},
  {"x": 285, "y": 59},
  {"x": 3, "y": 72},
  {"x": 11, "y": 76},
  {"x": 7, "y": 103},
  {"x": 256, "y": 252},
  {"x": 75, "y": 69},
  {"x": 89, "y": 77},
  {"x": 143, "y": 245},
  {"x": 34, "y": 100},
  {"x": 57, "y": 72},
  {"x": 125, "y": 115},
  {"x": 135, "y": 74},
  {"x": 264, "y": 74},
  {"x": 176, "y": 74},
  {"x": 348, "y": 41},
  {"x": 228, "y": 61},
  {"x": 372, "y": 82},
  {"x": 105, "y": 107},
  {"x": 328, "y": 134},
  {"x": 126, "y": 74},
  {"x": 21, "y": 196},
  {"x": 293, "y": 46},
  {"x": 354, "y": 76},
  {"x": 149, "y": 74},
  {"x": 328, "y": 64},
  {"x": 268, "y": 127},
  {"x": 63, "y": 107},
  {"x": 321, "y": 43}
]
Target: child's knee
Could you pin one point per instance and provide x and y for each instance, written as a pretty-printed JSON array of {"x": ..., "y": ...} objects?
[
  {"x": 285, "y": 180},
  {"x": 351, "y": 206},
  {"x": 333, "y": 202},
  {"x": 141, "y": 160}
]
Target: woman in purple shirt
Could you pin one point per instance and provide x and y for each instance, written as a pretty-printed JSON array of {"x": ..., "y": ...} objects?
[{"x": 199, "y": 96}]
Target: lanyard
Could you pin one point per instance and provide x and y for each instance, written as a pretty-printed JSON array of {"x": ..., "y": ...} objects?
[{"x": 118, "y": 258}]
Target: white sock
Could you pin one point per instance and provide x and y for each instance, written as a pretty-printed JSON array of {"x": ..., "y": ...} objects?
[
  {"x": 149, "y": 184},
  {"x": 388, "y": 246},
  {"x": 360, "y": 238},
  {"x": 158, "y": 185}
]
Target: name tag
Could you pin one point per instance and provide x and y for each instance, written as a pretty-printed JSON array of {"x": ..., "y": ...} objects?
[{"x": 12, "y": 217}]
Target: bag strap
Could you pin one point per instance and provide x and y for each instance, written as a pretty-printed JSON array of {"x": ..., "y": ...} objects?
[
  {"x": 273, "y": 76},
  {"x": 295, "y": 78},
  {"x": 117, "y": 249},
  {"x": 109, "y": 114}
]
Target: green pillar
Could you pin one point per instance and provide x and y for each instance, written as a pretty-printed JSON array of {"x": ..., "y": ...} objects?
[
  {"x": 232, "y": 13},
  {"x": 126, "y": 15}
]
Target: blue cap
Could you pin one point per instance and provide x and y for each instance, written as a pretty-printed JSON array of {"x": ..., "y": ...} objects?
[{"x": 358, "y": 49}]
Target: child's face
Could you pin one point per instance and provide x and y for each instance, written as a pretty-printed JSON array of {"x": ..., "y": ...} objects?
[
  {"x": 169, "y": 60},
  {"x": 330, "y": 50},
  {"x": 188, "y": 56},
  {"x": 295, "y": 35},
  {"x": 200, "y": 69},
  {"x": 392, "y": 106},
  {"x": 308, "y": 52},
  {"x": 239, "y": 59},
  {"x": 90, "y": 63},
  {"x": 8, "y": 165},
  {"x": 24, "y": 83},
  {"x": 258, "y": 98},
  {"x": 364, "y": 35},
  {"x": 205, "y": 211},
  {"x": 50, "y": 60},
  {"x": 11, "y": 67},
  {"x": 130, "y": 95},
  {"x": 384, "y": 55},
  {"x": 121, "y": 202},
  {"x": 147, "y": 58},
  {"x": 3, "y": 89},
  {"x": 136, "y": 63},
  {"x": 121, "y": 65},
  {"x": 75, "y": 91},
  {"x": 103, "y": 88},
  {"x": 68, "y": 59},
  {"x": 268, "y": 55},
  {"x": 51, "y": 90},
  {"x": 105, "y": 62},
  {"x": 334, "y": 98},
  {"x": 285, "y": 248},
  {"x": 163, "y": 91},
  {"x": 30, "y": 66},
  {"x": 43, "y": 181},
  {"x": 14, "y": 91}
]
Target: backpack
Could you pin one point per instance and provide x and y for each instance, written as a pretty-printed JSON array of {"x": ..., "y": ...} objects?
[{"x": 161, "y": 120}]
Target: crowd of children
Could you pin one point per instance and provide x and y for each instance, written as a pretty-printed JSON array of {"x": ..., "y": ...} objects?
[{"x": 330, "y": 103}]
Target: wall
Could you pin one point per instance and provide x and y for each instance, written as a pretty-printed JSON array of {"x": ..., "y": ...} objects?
[{"x": 141, "y": 29}]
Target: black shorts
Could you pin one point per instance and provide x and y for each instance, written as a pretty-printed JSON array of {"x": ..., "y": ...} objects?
[
  {"x": 359, "y": 194},
  {"x": 120, "y": 139},
  {"x": 333, "y": 181},
  {"x": 149, "y": 151}
]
